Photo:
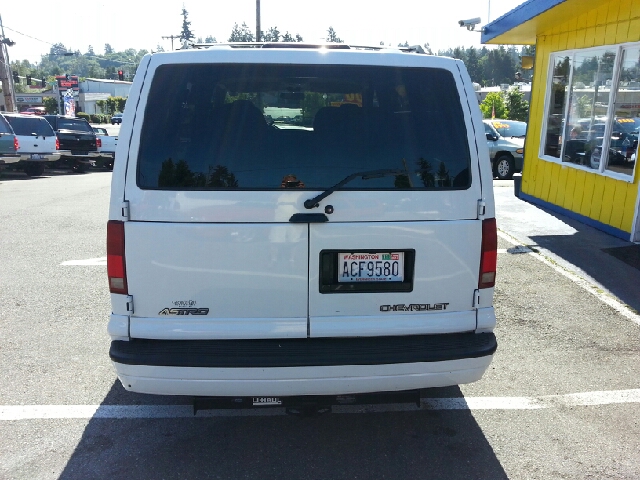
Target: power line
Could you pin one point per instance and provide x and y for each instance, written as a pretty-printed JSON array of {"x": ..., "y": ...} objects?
[{"x": 29, "y": 36}]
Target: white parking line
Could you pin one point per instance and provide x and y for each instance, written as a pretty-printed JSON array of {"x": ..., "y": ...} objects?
[
  {"x": 102, "y": 261},
  {"x": 40, "y": 412}
]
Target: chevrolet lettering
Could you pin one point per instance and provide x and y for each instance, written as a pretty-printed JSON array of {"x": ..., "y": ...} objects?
[{"x": 413, "y": 307}]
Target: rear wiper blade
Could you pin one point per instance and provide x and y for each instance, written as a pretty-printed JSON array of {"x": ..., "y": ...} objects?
[{"x": 367, "y": 175}]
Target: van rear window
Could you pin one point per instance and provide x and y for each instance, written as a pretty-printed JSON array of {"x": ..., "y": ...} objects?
[{"x": 266, "y": 126}]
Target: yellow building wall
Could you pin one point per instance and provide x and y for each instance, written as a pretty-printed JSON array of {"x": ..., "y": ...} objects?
[{"x": 604, "y": 199}]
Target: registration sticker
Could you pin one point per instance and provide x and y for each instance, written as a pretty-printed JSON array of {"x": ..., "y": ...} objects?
[{"x": 371, "y": 267}]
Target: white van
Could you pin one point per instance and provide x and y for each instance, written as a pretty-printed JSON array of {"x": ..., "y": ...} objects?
[{"x": 342, "y": 243}]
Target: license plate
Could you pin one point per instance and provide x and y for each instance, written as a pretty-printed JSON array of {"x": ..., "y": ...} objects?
[
  {"x": 371, "y": 267},
  {"x": 36, "y": 156},
  {"x": 265, "y": 401}
]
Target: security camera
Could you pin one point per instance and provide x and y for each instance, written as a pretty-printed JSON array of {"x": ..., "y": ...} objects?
[{"x": 470, "y": 24}]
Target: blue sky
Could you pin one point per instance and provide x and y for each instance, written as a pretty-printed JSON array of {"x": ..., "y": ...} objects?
[{"x": 142, "y": 24}]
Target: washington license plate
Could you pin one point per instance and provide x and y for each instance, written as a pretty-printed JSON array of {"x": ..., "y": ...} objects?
[{"x": 371, "y": 267}]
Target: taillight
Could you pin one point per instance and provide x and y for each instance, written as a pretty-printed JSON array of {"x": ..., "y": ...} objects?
[
  {"x": 488, "y": 254},
  {"x": 57, "y": 143},
  {"x": 116, "y": 265},
  {"x": 16, "y": 144},
  {"x": 98, "y": 142}
]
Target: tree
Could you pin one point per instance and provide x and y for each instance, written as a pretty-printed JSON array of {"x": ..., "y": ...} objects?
[
  {"x": 473, "y": 65},
  {"x": 494, "y": 101},
  {"x": 516, "y": 105},
  {"x": 186, "y": 34},
  {"x": 241, "y": 34},
  {"x": 58, "y": 49},
  {"x": 332, "y": 37},
  {"x": 90, "y": 51},
  {"x": 272, "y": 35},
  {"x": 108, "y": 49},
  {"x": 50, "y": 105},
  {"x": 210, "y": 39}
]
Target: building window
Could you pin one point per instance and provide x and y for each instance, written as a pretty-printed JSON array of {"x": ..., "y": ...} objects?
[{"x": 593, "y": 109}]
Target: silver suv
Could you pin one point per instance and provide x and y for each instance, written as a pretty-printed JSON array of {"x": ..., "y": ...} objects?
[{"x": 505, "y": 139}]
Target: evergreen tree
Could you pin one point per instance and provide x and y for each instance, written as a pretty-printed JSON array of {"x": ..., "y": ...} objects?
[
  {"x": 272, "y": 35},
  {"x": 473, "y": 65},
  {"x": 241, "y": 34},
  {"x": 186, "y": 35},
  {"x": 332, "y": 37}
]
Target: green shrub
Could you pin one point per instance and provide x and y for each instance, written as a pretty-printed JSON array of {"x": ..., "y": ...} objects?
[{"x": 84, "y": 115}]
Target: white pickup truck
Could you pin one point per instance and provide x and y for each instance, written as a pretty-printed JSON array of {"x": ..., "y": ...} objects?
[{"x": 106, "y": 146}]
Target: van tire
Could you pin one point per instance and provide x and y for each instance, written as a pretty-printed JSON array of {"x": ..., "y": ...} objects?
[
  {"x": 504, "y": 167},
  {"x": 34, "y": 169}
]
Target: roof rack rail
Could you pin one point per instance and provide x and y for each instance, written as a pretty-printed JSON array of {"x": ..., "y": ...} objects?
[
  {"x": 332, "y": 46},
  {"x": 301, "y": 45}
]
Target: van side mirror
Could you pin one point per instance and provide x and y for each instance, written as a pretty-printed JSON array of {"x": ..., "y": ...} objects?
[{"x": 491, "y": 137}]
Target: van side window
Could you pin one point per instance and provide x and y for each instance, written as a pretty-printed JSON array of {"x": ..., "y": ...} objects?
[{"x": 238, "y": 126}]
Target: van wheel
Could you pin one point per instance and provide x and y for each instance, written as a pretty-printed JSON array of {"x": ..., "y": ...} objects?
[
  {"x": 34, "y": 169},
  {"x": 504, "y": 167}
]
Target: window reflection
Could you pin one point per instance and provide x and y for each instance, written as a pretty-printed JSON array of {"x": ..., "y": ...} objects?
[
  {"x": 587, "y": 109},
  {"x": 593, "y": 113},
  {"x": 560, "y": 81},
  {"x": 626, "y": 111}
]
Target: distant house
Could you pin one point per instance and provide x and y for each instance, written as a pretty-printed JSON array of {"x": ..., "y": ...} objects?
[
  {"x": 94, "y": 89},
  {"x": 581, "y": 146}
]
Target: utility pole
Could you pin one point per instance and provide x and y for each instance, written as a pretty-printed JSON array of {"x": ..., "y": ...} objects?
[
  {"x": 172, "y": 37},
  {"x": 257, "y": 20},
  {"x": 5, "y": 75}
]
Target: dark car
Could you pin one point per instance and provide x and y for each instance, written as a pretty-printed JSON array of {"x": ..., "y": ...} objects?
[
  {"x": 77, "y": 141},
  {"x": 117, "y": 118}
]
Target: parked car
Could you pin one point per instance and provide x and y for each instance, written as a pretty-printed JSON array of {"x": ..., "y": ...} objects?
[
  {"x": 9, "y": 144},
  {"x": 77, "y": 140},
  {"x": 507, "y": 153},
  {"x": 266, "y": 265},
  {"x": 116, "y": 119},
  {"x": 585, "y": 142},
  {"x": 38, "y": 145},
  {"x": 34, "y": 111},
  {"x": 510, "y": 128},
  {"x": 107, "y": 148}
]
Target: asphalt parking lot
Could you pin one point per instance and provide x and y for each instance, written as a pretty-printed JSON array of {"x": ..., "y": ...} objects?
[{"x": 560, "y": 400}]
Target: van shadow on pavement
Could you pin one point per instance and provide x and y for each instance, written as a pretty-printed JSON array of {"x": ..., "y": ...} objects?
[{"x": 403, "y": 445}]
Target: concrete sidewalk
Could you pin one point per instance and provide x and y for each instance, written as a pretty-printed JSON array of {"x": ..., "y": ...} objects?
[{"x": 573, "y": 245}]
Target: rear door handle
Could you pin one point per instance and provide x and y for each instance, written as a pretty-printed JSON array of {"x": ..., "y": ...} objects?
[{"x": 308, "y": 218}]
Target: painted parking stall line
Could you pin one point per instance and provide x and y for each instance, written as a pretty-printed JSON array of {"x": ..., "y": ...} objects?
[
  {"x": 100, "y": 261},
  {"x": 584, "y": 399},
  {"x": 613, "y": 302}
]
